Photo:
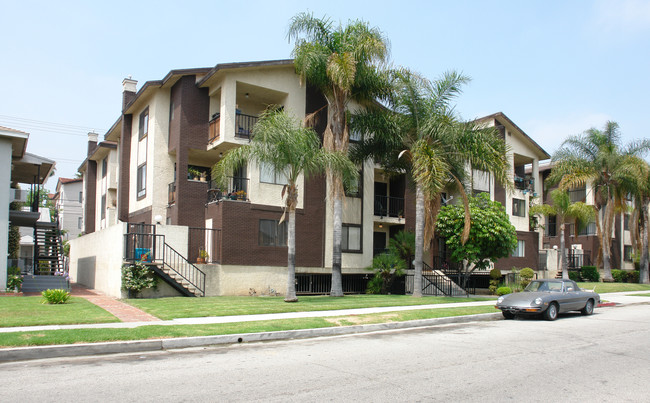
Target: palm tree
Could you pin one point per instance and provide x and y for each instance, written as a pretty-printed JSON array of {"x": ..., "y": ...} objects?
[
  {"x": 563, "y": 209},
  {"x": 419, "y": 133},
  {"x": 597, "y": 159},
  {"x": 343, "y": 63},
  {"x": 282, "y": 145},
  {"x": 640, "y": 222}
]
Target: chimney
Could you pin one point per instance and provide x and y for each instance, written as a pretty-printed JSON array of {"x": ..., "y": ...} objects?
[
  {"x": 128, "y": 91},
  {"x": 92, "y": 142}
]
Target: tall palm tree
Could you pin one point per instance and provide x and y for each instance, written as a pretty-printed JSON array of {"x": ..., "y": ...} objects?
[
  {"x": 419, "y": 133},
  {"x": 282, "y": 145},
  {"x": 641, "y": 223},
  {"x": 342, "y": 62},
  {"x": 563, "y": 209},
  {"x": 596, "y": 158}
]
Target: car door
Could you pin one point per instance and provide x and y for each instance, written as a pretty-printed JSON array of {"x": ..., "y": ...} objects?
[{"x": 572, "y": 296}]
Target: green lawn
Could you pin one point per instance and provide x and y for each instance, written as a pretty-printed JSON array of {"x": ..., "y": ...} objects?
[
  {"x": 640, "y": 295},
  {"x": 29, "y": 311},
  {"x": 182, "y": 307},
  {"x": 614, "y": 287},
  {"x": 70, "y": 336}
]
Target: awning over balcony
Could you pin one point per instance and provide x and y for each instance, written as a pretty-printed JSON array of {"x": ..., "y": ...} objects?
[
  {"x": 23, "y": 218},
  {"x": 31, "y": 169}
]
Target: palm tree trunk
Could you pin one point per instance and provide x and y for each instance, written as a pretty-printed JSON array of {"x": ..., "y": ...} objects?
[
  {"x": 419, "y": 241},
  {"x": 291, "y": 263},
  {"x": 563, "y": 256},
  {"x": 607, "y": 240},
  {"x": 337, "y": 278},
  {"x": 645, "y": 234}
]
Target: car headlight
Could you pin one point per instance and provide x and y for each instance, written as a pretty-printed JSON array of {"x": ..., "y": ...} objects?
[
  {"x": 538, "y": 301},
  {"x": 500, "y": 300}
]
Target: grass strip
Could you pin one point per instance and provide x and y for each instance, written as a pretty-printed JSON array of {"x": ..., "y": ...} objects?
[
  {"x": 181, "y": 307},
  {"x": 614, "y": 287},
  {"x": 72, "y": 336},
  {"x": 29, "y": 311},
  {"x": 639, "y": 295}
]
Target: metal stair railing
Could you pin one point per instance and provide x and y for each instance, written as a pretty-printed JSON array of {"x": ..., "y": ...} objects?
[
  {"x": 182, "y": 267},
  {"x": 153, "y": 248}
]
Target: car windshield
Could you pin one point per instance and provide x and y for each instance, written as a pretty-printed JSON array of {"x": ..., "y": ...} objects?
[{"x": 544, "y": 286}]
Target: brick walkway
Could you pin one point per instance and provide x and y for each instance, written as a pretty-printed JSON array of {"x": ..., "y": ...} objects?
[{"x": 124, "y": 312}]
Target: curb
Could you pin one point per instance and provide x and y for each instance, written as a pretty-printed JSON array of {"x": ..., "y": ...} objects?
[{"x": 90, "y": 349}]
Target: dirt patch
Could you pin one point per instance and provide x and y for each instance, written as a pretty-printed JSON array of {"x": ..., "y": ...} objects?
[{"x": 351, "y": 320}]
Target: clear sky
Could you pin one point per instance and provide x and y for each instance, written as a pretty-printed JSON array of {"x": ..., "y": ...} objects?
[{"x": 556, "y": 68}]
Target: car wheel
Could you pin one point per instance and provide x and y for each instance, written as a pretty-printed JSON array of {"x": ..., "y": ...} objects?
[
  {"x": 508, "y": 315},
  {"x": 551, "y": 312},
  {"x": 589, "y": 308}
]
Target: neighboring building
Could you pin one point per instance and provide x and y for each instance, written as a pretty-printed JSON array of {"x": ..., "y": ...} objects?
[
  {"x": 159, "y": 156},
  {"x": 68, "y": 201},
  {"x": 25, "y": 168}
]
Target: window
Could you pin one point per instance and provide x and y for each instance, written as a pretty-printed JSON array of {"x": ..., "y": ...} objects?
[
  {"x": 143, "y": 127},
  {"x": 626, "y": 222},
  {"x": 272, "y": 233},
  {"x": 81, "y": 197},
  {"x": 355, "y": 136},
  {"x": 551, "y": 226},
  {"x": 79, "y": 222},
  {"x": 142, "y": 181},
  {"x": 519, "y": 250},
  {"x": 627, "y": 253},
  {"x": 354, "y": 188},
  {"x": 104, "y": 167},
  {"x": 578, "y": 195},
  {"x": 270, "y": 175},
  {"x": 589, "y": 229},
  {"x": 103, "y": 212},
  {"x": 519, "y": 207},
  {"x": 351, "y": 238}
]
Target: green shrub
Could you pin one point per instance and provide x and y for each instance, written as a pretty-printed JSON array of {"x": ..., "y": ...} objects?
[
  {"x": 137, "y": 276},
  {"x": 574, "y": 275},
  {"x": 14, "y": 282},
  {"x": 386, "y": 267},
  {"x": 374, "y": 285},
  {"x": 57, "y": 296},
  {"x": 619, "y": 276},
  {"x": 590, "y": 273},
  {"x": 495, "y": 279},
  {"x": 503, "y": 291},
  {"x": 633, "y": 276},
  {"x": 526, "y": 275}
]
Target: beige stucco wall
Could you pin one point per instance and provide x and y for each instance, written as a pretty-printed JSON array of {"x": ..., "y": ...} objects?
[
  {"x": 354, "y": 213},
  {"x": 160, "y": 165},
  {"x": 96, "y": 259},
  {"x": 269, "y": 194}
]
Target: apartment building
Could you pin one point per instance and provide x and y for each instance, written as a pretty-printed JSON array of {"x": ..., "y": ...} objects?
[
  {"x": 68, "y": 201},
  {"x": 581, "y": 241},
  {"x": 157, "y": 159}
]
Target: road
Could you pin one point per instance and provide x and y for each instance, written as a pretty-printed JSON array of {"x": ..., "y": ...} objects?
[{"x": 604, "y": 357}]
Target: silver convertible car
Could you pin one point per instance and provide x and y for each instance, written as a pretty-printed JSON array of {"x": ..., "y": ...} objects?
[{"x": 548, "y": 298}]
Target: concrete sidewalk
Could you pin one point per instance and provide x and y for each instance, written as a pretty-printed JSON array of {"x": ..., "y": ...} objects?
[{"x": 25, "y": 353}]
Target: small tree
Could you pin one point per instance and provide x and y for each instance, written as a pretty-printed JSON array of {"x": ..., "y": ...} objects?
[
  {"x": 403, "y": 245},
  {"x": 491, "y": 235},
  {"x": 386, "y": 266},
  {"x": 526, "y": 274}
]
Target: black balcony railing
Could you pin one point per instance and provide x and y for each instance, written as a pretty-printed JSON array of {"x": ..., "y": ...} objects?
[
  {"x": 244, "y": 125},
  {"x": 237, "y": 190},
  {"x": 386, "y": 206}
]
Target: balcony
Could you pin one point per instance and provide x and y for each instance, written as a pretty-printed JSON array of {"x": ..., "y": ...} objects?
[
  {"x": 215, "y": 129},
  {"x": 237, "y": 190},
  {"x": 244, "y": 125},
  {"x": 386, "y": 206},
  {"x": 171, "y": 193},
  {"x": 527, "y": 184}
]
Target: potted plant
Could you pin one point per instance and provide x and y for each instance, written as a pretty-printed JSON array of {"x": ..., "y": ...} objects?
[
  {"x": 203, "y": 176},
  {"x": 193, "y": 173},
  {"x": 203, "y": 256},
  {"x": 240, "y": 195}
]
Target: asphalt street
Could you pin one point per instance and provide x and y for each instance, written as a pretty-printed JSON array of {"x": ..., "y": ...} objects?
[{"x": 603, "y": 357}]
